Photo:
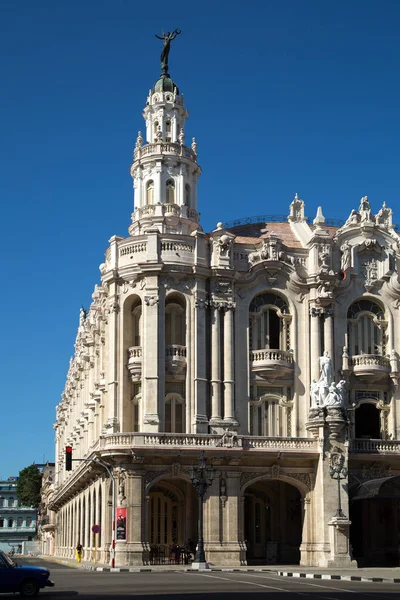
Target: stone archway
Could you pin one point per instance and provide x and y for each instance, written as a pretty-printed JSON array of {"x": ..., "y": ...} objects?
[
  {"x": 375, "y": 521},
  {"x": 273, "y": 521},
  {"x": 171, "y": 518}
]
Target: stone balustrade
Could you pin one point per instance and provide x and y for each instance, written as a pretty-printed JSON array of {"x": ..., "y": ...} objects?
[
  {"x": 164, "y": 148},
  {"x": 210, "y": 441},
  {"x": 375, "y": 446},
  {"x": 272, "y": 363},
  {"x": 162, "y": 210},
  {"x": 368, "y": 360},
  {"x": 135, "y": 362}
]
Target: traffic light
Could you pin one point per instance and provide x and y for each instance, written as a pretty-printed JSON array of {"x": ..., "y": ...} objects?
[{"x": 68, "y": 458}]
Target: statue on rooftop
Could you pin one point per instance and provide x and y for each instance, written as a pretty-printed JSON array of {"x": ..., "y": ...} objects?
[{"x": 167, "y": 39}]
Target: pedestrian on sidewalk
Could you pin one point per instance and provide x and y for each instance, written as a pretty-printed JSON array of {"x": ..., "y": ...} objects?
[{"x": 79, "y": 549}]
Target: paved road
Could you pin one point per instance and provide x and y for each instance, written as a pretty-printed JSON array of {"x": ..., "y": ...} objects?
[{"x": 72, "y": 583}]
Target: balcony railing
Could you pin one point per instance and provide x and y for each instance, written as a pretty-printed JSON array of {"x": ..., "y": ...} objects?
[
  {"x": 135, "y": 362},
  {"x": 201, "y": 441},
  {"x": 375, "y": 446},
  {"x": 272, "y": 363},
  {"x": 369, "y": 367},
  {"x": 175, "y": 358},
  {"x": 169, "y": 148}
]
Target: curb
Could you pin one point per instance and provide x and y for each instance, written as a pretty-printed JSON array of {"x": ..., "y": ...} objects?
[
  {"x": 338, "y": 577},
  {"x": 323, "y": 576}
]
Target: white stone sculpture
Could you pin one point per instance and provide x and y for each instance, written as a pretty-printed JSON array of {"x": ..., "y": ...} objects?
[
  {"x": 325, "y": 366},
  {"x": 325, "y": 392},
  {"x": 345, "y": 262}
]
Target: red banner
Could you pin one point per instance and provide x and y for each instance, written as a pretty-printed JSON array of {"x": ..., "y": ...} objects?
[{"x": 121, "y": 523}]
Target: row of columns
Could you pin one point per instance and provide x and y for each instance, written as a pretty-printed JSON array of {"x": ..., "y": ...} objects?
[
  {"x": 316, "y": 316},
  {"x": 216, "y": 363}
]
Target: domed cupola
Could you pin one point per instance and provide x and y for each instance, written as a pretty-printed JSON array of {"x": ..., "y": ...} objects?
[
  {"x": 164, "y": 169},
  {"x": 165, "y": 84}
]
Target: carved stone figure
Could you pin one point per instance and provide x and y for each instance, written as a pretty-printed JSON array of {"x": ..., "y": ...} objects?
[
  {"x": 353, "y": 219},
  {"x": 384, "y": 217},
  {"x": 365, "y": 209},
  {"x": 225, "y": 245},
  {"x": 325, "y": 365},
  {"x": 315, "y": 394},
  {"x": 345, "y": 262}
]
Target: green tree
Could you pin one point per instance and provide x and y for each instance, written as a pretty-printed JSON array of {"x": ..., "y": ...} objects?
[{"x": 28, "y": 486}]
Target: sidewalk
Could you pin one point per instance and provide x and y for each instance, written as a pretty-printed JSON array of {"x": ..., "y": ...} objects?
[{"x": 386, "y": 574}]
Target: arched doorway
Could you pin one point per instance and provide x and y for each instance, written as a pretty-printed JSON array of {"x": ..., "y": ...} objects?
[
  {"x": 273, "y": 522},
  {"x": 172, "y": 515},
  {"x": 375, "y": 522}
]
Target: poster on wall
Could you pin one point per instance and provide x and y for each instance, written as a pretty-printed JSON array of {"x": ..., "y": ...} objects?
[{"x": 121, "y": 523}]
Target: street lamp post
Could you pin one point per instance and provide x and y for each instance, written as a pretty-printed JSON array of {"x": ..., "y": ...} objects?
[
  {"x": 201, "y": 477},
  {"x": 338, "y": 471}
]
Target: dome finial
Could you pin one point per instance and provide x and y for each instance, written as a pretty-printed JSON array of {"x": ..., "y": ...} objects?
[{"x": 167, "y": 39}]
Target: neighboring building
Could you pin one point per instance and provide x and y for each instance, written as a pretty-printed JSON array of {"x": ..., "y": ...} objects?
[
  {"x": 17, "y": 523},
  {"x": 270, "y": 344},
  {"x": 46, "y": 522}
]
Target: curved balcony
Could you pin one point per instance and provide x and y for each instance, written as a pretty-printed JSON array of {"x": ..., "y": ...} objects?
[
  {"x": 151, "y": 211},
  {"x": 135, "y": 362},
  {"x": 273, "y": 364},
  {"x": 175, "y": 359},
  {"x": 371, "y": 368},
  {"x": 164, "y": 149}
]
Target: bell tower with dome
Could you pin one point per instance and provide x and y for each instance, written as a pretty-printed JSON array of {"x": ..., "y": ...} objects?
[{"x": 164, "y": 169}]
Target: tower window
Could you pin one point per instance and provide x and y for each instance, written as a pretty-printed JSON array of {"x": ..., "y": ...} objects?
[
  {"x": 170, "y": 191},
  {"x": 155, "y": 130},
  {"x": 187, "y": 195},
  {"x": 150, "y": 192},
  {"x": 168, "y": 126}
]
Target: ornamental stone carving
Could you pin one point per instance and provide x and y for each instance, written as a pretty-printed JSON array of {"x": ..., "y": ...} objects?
[
  {"x": 176, "y": 469},
  {"x": 151, "y": 300},
  {"x": 304, "y": 478}
]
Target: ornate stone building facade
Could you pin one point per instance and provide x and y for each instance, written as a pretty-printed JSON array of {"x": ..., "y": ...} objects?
[{"x": 268, "y": 345}]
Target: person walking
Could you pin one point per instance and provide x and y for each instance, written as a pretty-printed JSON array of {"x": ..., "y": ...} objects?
[{"x": 79, "y": 549}]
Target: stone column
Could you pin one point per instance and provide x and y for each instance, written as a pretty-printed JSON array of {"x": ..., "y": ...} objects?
[
  {"x": 200, "y": 416},
  {"x": 328, "y": 335},
  {"x": 215, "y": 364},
  {"x": 153, "y": 356},
  {"x": 233, "y": 547},
  {"x": 242, "y": 366},
  {"x": 315, "y": 343},
  {"x": 134, "y": 491},
  {"x": 229, "y": 381},
  {"x": 112, "y": 396}
]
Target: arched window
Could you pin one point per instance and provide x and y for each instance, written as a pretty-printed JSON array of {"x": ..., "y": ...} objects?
[
  {"x": 11, "y": 522},
  {"x": 269, "y": 323},
  {"x": 267, "y": 418},
  {"x": 174, "y": 413},
  {"x": 170, "y": 191},
  {"x": 155, "y": 130},
  {"x": 366, "y": 328},
  {"x": 168, "y": 131},
  {"x": 367, "y": 422},
  {"x": 174, "y": 323},
  {"x": 137, "y": 325},
  {"x": 187, "y": 195},
  {"x": 150, "y": 192}
]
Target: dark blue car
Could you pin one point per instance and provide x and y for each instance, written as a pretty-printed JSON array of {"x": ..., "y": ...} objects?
[{"x": 23, "y": 579}]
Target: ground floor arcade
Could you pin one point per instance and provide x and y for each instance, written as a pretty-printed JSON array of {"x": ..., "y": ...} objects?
[{"x": 269, "y": 510}]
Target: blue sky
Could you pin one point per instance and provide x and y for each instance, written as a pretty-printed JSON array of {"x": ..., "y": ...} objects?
[{"x": 284, "y": 96}]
